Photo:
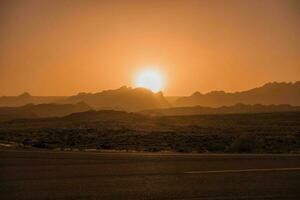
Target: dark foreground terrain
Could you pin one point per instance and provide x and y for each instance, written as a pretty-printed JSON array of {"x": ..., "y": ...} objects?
[
  {"x": 75, "y": 175},
  {"x": 115, "y": 130}
]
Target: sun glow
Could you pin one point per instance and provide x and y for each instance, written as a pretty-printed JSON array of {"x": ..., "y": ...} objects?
[{"x": 150, "y": 79}]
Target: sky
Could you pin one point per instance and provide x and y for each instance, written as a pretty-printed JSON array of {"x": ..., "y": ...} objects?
[{"x": 60, "y": 47}]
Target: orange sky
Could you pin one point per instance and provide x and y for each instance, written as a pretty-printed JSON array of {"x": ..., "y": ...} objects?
[{"x": 65, "y": 47}]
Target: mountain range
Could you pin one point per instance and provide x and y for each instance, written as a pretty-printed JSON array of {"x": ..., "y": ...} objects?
[
  {"x": 26, "y": 98},
  {"x": 30, "y": 111},
  {"x": 270, "y": 93},
  {"x": 139, "y": 99}
]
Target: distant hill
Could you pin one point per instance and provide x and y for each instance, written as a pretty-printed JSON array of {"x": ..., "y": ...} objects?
[
  {"x": 238, "y": 108},
  {"x": 124, "y": 98},
  {"x": 41, "y": 110},
  {"x": 270, "y": 93},
  {"x": 26, "y": 98},
  {"x": 172, "y": 99}
]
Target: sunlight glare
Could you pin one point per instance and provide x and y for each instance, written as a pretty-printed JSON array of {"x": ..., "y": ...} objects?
[{"x": 150, "y": 79}]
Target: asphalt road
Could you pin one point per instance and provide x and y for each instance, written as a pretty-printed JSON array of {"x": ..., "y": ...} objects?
[{"x": 57, "y": 175}]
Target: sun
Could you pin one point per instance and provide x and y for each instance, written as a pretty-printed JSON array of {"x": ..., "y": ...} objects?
[{"x": 150, "y": 79}]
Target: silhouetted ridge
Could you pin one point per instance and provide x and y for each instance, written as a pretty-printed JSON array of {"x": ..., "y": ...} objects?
[
  {"x": 25, "y": 98},
  {"x": 41, "y": 110},
  {"x": 270, "y": 93},
  {"x": 25, "y": 95},
  {"x": 124, "y": 98}
]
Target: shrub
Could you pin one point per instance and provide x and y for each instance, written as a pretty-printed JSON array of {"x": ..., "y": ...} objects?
[{"x": 243, "y": 144}]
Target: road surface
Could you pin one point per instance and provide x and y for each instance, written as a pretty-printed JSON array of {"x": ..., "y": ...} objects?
[{"x": 101, "y": 176}]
